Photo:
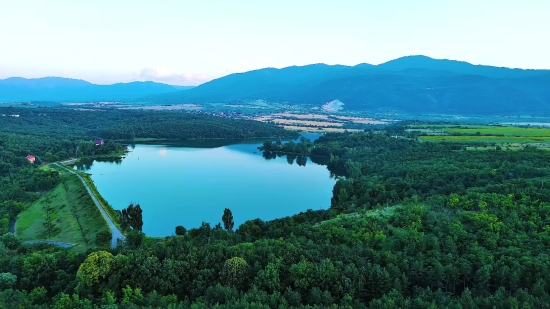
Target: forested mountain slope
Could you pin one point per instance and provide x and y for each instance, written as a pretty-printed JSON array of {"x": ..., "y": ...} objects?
[
  {"x": 59, "y": 89},
  {"x": 410, "y": 84}
]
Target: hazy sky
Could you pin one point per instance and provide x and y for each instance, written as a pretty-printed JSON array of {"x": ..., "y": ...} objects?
[{"x": 189, "y": 42}]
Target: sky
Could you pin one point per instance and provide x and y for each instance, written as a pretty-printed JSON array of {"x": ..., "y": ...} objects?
[{"x": 184, "y": 42}]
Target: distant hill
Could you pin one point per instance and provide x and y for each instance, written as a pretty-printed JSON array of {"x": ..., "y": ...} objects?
[
  {"x": 17, "y": 89},
  {"x": 458, "y": 67},
  {"x": 409, "y": 84}
]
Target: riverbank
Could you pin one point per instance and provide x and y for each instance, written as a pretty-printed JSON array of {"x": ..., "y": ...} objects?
[{"x": 160, "y": 140}]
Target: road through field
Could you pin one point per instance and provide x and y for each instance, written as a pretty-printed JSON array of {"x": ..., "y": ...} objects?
[{"x": 114, "y": 230}]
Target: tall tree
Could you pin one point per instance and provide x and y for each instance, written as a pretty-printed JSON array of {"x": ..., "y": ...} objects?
[
  {"x": 132, "y": 217},
  {"x": 227, "y": 219},
  {"x": 180, "y": 230}
]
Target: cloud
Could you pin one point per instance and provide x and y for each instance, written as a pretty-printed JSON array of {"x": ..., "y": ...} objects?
[{"x": 165, "y": 75}]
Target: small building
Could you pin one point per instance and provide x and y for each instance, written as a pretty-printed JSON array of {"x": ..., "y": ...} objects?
[
  {"x": 31, "y": 159},
  {"x": 99, "y": 142}
]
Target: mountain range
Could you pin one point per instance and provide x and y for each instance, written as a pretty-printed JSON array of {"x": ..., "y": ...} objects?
[
  {"x": 58, "y": 89},
  {"x": 410, "y": 84}
]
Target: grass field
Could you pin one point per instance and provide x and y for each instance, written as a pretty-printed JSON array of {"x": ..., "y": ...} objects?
[
  {"x": 506, "y": 136},
  {"x": 65, "y": 214},
  {"x": 487, "y": 139},
  {"x": 501, "y": 130},
  {"x": 111, "y": 212}
]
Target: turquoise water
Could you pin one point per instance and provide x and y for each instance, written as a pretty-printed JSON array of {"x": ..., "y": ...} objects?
[{"x": 186, "y": 185}]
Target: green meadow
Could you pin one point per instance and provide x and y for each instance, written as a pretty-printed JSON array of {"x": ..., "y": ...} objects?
[
  {"x": 508, "y": 136},
  {"x": 65, "y": 214}
]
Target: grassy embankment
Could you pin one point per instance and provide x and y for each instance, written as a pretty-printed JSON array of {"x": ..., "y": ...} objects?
[
  {"x": 508, "y": 137},
  {"x": 111, "y": 212},
  {"x": 65, "y": 214}
]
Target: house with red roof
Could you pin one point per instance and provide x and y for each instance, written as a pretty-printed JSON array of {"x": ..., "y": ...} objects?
[{"x": 31, "y": 159}]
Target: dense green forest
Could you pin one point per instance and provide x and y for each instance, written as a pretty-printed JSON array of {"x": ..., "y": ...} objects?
[
  {"x": 131, "y": 124},
  {"x": 411, "y": 225}
]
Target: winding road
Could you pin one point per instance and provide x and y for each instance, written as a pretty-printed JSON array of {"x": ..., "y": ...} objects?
[{"x": 114, "y": 230}]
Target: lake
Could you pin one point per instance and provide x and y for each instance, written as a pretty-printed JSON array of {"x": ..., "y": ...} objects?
[{"x": 188, "y": 183}]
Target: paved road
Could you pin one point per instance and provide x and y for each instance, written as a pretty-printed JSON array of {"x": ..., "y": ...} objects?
[{"x": 114, "y": 230}]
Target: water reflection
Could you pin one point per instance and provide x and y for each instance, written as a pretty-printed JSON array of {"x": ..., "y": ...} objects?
[
  {"x": 85, "y": 164},
  {"x": 299, "y": 159},
  {"x": 290, "y": 159},
  {"x": 320, "y": 160}
]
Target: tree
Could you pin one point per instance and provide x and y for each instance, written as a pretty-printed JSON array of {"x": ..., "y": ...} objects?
[
  {"x": 97, "y": 265},
  {"x": 180, "y": 230},
  {"x": 103, "y": 238},
  {"x": 234, "y": 271},
  {"x": 38, "y": 270},
  {"x": 227, "y": 219},
  {"x": 7, "y": 280},
  {"x": 268, "y": 278},
  {"x": 132, "y": 217}
]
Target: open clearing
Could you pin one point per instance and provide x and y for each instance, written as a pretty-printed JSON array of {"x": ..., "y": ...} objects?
[
  {"x": 487, "y": 139},
  {"x": 361, "y": 120},
  {"x": 308, "y": 123},
  {"x": 311, "y": 122},
  {"x": 498, "y": 130},
  {"x": 318, "y": 129},
  {"x": 301, "y": 116},
  {"x": 510, "y": 137},
  {"x": 166, "y": 107},
  {"x": 65, "y": 214}
]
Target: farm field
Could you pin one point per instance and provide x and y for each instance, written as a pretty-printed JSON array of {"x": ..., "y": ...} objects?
[
  {"x": 311, "y": 122},
  {"x": 488, "y": 139},
  {"x": 511, "y": 137},
  {"x": 318, "y": 129},
  {"x": 500, "y": 130}
]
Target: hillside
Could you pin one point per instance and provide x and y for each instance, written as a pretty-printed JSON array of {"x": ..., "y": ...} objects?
[
  {"x": 409, "y": 84},
  {"x": 17, "y": 89}
]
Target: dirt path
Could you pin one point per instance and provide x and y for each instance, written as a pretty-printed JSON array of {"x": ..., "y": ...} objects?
[{"x": 114, "y": 230}]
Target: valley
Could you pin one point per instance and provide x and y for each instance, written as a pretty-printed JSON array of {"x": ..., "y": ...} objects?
[
  {"x": 274, "y": 155},
  {"x": 373, "y": 202}
]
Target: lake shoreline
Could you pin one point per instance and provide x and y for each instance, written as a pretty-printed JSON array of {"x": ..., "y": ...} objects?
[
  {"x": 140, "y": 140},
  {"x": 196, "y": 184}
]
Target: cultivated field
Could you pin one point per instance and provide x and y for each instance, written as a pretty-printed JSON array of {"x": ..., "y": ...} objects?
[
  {"x": 488, "y": 139},
  {"x": 319, "y": 130},
  {"x": 311, "y": 122},
  {"x": 500, "y": 130},
  {"x": 509, "y": 136}
]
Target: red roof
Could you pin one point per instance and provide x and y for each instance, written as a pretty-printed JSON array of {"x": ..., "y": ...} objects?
[{"x": 30, "y": 157}]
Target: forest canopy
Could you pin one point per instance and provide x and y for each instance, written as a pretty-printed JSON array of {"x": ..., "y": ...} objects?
[{"x": 411, "y": 225}]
